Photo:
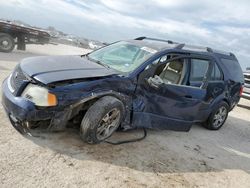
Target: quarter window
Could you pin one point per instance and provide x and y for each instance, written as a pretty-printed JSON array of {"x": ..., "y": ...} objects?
[{"x": 233, "y": 69}]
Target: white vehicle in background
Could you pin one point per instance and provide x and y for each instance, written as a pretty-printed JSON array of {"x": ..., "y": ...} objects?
[{"x": 95, "y": 45}]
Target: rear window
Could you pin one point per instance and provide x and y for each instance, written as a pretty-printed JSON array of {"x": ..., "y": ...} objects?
[{"x": 233, "y": 69}]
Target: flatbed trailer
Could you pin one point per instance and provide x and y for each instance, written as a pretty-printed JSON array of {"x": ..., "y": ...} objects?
[{"x": 12, "y": 34}]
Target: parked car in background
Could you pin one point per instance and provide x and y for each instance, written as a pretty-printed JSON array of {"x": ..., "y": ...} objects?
[
  {"x": 140, "y": 83},
  {"x": 246, "y": 90}
]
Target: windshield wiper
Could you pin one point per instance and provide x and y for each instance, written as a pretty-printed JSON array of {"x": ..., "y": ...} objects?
[
  {"x": 85, "y": 55},
  {"x": 98, "y": 62}
]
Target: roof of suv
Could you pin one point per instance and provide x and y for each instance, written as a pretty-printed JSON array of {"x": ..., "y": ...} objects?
[{"x": 161, "y": 44}]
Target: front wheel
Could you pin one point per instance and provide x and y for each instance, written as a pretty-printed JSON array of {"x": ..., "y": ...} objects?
[
  {"x": 101, "y": 120},
  {"x": 7, "y": 42},
  {"x": 218, "y": 117}
]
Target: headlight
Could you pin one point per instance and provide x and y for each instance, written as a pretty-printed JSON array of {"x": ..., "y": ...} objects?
[{"x": 39, "y": 95}]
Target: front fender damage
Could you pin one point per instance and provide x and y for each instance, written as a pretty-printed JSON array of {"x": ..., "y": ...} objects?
[{"x": 60, "y": 119}]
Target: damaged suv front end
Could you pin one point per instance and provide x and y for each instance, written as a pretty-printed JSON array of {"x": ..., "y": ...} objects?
[
  {"x": 30, "y": 98},
  {"x": 20, "y": 97}
]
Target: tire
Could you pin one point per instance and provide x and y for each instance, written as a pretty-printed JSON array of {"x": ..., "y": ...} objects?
[
  {"x": 218, "y": 117},
  {"x": 7, "y": 43},
  {"x": 101, "y": 120}
]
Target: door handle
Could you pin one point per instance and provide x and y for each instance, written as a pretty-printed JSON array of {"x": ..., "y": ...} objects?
[
  {"x": 216, "y": 90},
  {"x": 188, "y": 96}
]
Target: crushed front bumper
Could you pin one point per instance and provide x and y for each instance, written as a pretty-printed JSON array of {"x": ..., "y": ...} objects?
[
  {"x": 22, "y": 111},
  {"x": 19, "y": 126}
]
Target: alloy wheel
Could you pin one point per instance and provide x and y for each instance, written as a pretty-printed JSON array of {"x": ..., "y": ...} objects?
[
  {"x": 220, "y": 116},
  {"x": 108, "y": 124}
]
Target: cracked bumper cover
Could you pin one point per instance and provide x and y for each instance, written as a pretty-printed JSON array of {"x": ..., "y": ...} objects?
[{"x": 21, "y": 110}]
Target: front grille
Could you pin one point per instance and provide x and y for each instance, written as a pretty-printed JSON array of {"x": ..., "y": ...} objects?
[{"x": 17, "y": 78}]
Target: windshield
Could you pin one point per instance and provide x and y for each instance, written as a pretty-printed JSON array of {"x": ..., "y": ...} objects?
[{"x": 122, "y": 56}]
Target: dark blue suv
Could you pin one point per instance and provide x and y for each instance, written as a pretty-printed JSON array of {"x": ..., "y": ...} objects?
[{"x": 140, "y": 83}]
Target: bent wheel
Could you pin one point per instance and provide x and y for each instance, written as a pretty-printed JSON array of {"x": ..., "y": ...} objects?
[
  {"x": 108, "y": 124},
  {"x": 101, "y": 119}
]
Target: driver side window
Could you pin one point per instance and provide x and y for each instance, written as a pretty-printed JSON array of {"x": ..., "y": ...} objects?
[
  {"x": 172, "y": 72},
  {"x": 179, "y": 71}
]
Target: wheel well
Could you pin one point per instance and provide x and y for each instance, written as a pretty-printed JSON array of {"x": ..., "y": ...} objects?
[
  {"x": 88, "y": 103},
  {"x": 79, "y": 111},
  {"x": 214, "y": 105},
  {"x": 227, "y": 101}
]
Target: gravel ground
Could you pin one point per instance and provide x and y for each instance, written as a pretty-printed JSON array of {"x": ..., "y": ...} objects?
[{"x": 199, "y": 158}]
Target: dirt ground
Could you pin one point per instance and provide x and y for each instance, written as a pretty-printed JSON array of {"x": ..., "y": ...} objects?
[{"x": 199, "y": 158}]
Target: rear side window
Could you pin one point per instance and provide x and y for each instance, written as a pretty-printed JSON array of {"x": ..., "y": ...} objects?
[
  {"x": 199, "y": 69},
  {"x": 216, "y": 73},
  {"x": 233, "y": 69}
]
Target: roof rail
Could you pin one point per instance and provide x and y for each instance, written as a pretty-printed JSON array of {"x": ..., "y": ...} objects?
[
  {"x": 209, "y": 49},
  {"x": 140, "y": 38},
  {"x": 196, "y": 48},
  {"x": 187, "y": 47},
  {"x": 180, "y": 46},
  {"x": 222, "y": 52},
  {"x": 155, "y": 39},
  {"x": 231, "y": 54}
]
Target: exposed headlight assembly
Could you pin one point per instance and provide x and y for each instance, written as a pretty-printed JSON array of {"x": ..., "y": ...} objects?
[{"x": 40, "y": 96}]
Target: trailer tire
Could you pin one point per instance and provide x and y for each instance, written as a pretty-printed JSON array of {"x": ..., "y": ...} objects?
[{"x": 7, "y": 43}]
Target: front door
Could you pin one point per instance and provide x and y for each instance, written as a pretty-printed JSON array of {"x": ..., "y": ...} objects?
[{"x": 170, "y": 94}]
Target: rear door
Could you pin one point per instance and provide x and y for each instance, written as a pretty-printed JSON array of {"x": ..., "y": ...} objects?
[
  {"x": 215, "y": 84},
  {"x": 169, "y": 105}
]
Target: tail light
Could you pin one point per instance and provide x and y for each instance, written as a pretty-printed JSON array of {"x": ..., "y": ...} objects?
[{"x": 241, "y": 90}]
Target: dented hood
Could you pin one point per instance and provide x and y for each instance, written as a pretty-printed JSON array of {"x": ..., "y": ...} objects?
[{"x": 48, "y": 69}]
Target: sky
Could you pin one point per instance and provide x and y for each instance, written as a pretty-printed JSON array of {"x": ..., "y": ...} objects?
[{"x": 223, "y": 24}]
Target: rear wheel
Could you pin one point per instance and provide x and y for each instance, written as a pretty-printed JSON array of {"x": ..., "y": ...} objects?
[
  {"x": 7, "y": 42},
  {"x": 101, "y": 120},
  {"x": 218, "y": 117}
]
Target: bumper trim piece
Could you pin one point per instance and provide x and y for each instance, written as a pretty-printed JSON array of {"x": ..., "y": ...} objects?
[
  {"x": 19, "y": 126},
  {"x": 9, "y": 84}
]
